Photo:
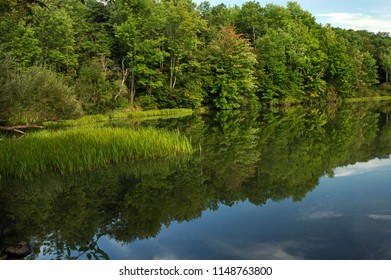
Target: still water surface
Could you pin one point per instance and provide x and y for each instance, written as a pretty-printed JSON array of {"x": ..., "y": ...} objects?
[
  {"x": 289, "y": 184},
  {"x": 346, "y": 217}
]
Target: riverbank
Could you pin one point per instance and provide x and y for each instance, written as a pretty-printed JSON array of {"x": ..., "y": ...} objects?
[
  {"x": 121, "y": 115},
  {"x": 368, "y": 99}
]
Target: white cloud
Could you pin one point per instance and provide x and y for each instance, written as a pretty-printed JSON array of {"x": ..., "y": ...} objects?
[
  {"x": 321, "y": 215},
  {"x": 271, "y": 251},
  {"x": 357, "y": 21},
  {"x": 380, "y": 217},
  {"x": 362, "y": 167}
]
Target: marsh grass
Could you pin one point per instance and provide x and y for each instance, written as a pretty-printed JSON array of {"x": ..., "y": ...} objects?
[
  {"x": 79, "y": 149},
  {"x": 121, "y": 115}
]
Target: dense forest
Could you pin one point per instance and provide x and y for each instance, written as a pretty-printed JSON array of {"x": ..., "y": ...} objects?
[{"x": 60, "y": 59}]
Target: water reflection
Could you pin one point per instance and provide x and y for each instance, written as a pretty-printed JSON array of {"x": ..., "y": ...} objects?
[
  {"x": 209, "y": 206},
  {"x": 363, "y": 167}
]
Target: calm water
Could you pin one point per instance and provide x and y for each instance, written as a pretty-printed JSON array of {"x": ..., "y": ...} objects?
[{"x": 285, "y": 184}]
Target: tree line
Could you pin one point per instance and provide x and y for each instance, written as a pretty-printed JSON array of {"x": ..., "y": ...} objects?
[{"x": 63, "y": 58}]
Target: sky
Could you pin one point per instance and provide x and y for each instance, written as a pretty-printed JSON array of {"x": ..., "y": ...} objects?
[{"x": 371, "y": 15}]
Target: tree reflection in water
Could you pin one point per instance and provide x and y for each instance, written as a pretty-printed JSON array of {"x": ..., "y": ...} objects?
[{"x": 243, "y": 155}]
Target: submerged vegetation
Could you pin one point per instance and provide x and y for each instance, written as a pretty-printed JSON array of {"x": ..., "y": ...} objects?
[{"x": 79, "y": 149}]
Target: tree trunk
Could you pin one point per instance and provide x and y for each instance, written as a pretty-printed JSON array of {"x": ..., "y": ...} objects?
[
  {"x": 132, "y": 88},
  {"x": 124, "y": 73},
  {"x": 132, "y": 82},
  {"x": 172, "y": 71},
  {"x": 254, "y": 38}
]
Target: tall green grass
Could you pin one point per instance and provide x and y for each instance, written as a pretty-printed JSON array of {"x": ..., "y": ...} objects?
[
  {"x": 79, "y": 149},
  {"x": 121, "y": 115}
]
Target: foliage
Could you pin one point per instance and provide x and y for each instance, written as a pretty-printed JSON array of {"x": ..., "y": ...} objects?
[
  {"x": 18, "y": 40},
  {"x": 339, "y": 69},
  {"x": 386, "y": 63},
  {"x": 56, "y": 33},
  {"x": 90, "y": 250},
  {"x": 98, "y": 86},
  {"x": 173, "y": 54},
  {"x": 231, "y": 61},
  {"x": 35, "y": 95}
]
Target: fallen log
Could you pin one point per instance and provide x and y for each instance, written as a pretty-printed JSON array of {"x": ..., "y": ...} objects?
[{"x": 18, "y": 128}]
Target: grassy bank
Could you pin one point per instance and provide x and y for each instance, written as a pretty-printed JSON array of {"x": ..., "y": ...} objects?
[
  {"x": 368, "y": 99},
  {"x": 121, "y": 115},
  {"x": 79, "y": 149}
]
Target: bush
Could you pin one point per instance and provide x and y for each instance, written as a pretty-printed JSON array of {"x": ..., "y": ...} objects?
[
  {"x": 147, "y": 102},
  {"x": 37, "y": 95}
]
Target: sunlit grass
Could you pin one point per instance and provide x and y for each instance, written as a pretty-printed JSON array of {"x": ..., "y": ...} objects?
[
  {"x": 121, "y": 115},
  {"x": 79, "y": 149}
]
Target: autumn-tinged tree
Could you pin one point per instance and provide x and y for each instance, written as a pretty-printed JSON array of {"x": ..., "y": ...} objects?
[{"x": 231, "y": 61}]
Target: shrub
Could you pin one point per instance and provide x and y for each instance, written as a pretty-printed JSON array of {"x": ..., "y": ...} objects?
[
  {"x": 147, "y": 102},
  {"x": 37, "y": 95}
]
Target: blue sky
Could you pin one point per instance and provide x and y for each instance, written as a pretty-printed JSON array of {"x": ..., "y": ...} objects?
[{"x": 372, "y": 15}]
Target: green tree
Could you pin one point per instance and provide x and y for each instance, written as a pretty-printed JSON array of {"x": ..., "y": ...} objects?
[
  {"x": 218, "y": 16},
  {"x": 370, "y": 70},
  {"x": 92, "y": 28},
  {"x": 290, "y": 60},
  {"x": 182, "y": 29},
  {"x": 339, "y": 70},
  {"x": 56, "y": 34},
  {"x": 231, "y": 61},
  {"x": 271, "y": 52},
  {"x": 250, "y": 20},
  {"x": 302, "y": 16},
  {"x": 18, "y": 40},
  {"x": 386, "y": 63},
  {"x": 139, "y": 30},
  {"x": 98, "y": 85}
]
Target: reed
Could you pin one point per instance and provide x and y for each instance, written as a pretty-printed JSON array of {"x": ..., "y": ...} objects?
[{"x": 80, "y": 149}]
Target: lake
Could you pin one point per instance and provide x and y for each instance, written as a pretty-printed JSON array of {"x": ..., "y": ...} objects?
[{"x": 285, "y": 183}]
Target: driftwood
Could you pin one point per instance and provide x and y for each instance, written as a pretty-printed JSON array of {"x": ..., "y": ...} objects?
[{"x": 18, "y": 128}]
